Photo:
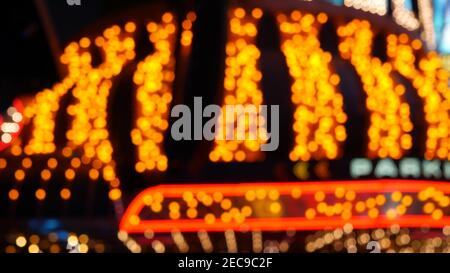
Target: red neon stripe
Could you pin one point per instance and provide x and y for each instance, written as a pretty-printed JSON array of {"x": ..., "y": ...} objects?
[
  {"x": 280, "y": 224},
  {"x": 285, "y": 188}
]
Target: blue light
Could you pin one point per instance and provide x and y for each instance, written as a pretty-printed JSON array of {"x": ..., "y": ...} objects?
[
  {"x": 337, "y": 2},
  {"x": 408, "y": 4},
  {"x": 44, "y": 226},
  {"x": 438, "y": 16},
  {"x": 62, "y": 235},
  {"x": 444, "y": 35},
  {"x": 48, "y": 226}
]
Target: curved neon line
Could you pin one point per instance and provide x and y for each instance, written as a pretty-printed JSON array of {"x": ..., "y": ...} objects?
[
  {"x": 285, "y": 188},
  {"x": 280, "y": 224}
]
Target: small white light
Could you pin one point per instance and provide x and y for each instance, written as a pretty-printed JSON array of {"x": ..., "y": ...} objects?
[
  {"x": 17, "y": 117},
  {"x": 11, "y": 110},
  {"x": 9, "y": 127},
  {"x": 6, "y": 138}
]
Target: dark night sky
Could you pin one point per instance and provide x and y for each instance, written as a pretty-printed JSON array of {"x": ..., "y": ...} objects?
[{"x": 27, "y": 64}]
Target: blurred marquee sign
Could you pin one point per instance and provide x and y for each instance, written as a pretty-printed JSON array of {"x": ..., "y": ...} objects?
[
  {"x": 319, "y": 119},
  {"x": 389, "y": 132},
  {"x": 257, "y": 206}
]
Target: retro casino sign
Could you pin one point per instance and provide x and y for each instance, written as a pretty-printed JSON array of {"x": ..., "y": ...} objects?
[{"x": 355, "y": 114}]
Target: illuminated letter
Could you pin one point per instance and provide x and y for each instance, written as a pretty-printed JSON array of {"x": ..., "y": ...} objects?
[
  {"x": 241, "y": 84},
  {"x": 46, "y": 103},
  {"x": 447, "y": 169},
  {"x": 386, "y": 167},
  {"x": 153, "y": 78},
  {"x": 410, "y": 167},
  {"x": 390, "y": 123},
  {"x": 360, "y": 167},
  {"x": 318, "y": 118},
  {"x": 432, "y": 168},
  {"x": 88, "y": 130},
  {"x": 431, "y": 82},
  {"x": 89, "y": 125}
]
